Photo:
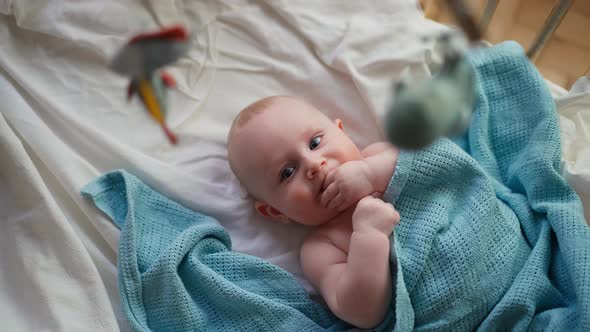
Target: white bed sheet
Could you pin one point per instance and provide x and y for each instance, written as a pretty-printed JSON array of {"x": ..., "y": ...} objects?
[
  {"x": 574, "y": 118},
  {"x": 64, "y": 121}
]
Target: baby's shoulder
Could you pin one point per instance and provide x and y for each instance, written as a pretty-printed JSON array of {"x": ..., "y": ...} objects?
[
  {"x": 322, "y": 247},
  {"x": 319, "y": 234},
  {"x": 335, "y": 228},
  {"x": 337, "y": 235}
]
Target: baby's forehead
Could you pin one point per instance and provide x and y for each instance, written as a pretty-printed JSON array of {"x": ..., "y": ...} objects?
[
  {"x": 295, "y": 109},
  {"x": 278, "y": 122},
  {"x": 284, "y": 114},
  {"x": 289, "y": 107}
]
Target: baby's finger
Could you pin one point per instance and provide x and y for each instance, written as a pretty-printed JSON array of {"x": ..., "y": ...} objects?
[
  {"x": 396, "y": 216},
  {"x": 345, "y": 205},
  {"x": 329, "y": 179},
  {"x": 377, "y": 194},
  {"x": 328, "y": 195},
  {"x": 337, "y": 201}
]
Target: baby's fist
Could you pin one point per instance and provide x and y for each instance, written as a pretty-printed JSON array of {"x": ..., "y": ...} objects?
[
  {"x": 373, "y": 213},
  {"x": 346, "y": 184}
]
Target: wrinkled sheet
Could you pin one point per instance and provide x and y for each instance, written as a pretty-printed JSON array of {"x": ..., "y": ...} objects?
[
  {"x": 574, "y": 119},
  {"x": 64, "y": 121}
]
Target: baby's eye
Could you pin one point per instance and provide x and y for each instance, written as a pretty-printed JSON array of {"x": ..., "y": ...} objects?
[
  {"x": 287, "y": 172},
  {"x": 315, "y": 142}
]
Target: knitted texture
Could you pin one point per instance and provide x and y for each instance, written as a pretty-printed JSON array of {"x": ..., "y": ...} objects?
[
  {"x": 491, "y": 237},
  {"x": 177, "y": 271}
]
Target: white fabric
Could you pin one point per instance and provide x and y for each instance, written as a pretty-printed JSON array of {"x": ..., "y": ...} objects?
[
  {"x": 64, "y": 121},
  {"x": 574, "y": 117}
]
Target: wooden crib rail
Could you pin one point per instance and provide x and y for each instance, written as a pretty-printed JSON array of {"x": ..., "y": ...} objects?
[
  {"x": 551, "y": 23},
  {"x": 488, "y": 12},
  {"x": 561, "y": 55}
]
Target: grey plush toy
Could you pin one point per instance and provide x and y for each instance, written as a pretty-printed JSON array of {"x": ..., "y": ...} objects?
[{"x": 439, "y": 106}]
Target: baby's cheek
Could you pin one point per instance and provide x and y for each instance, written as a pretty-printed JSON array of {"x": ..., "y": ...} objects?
[
  {"x": 299, "y": 195},
  {"x": 351, "y": 152},
  {"x": 304, "y": 207},
  {"x": 300, "y": 199}
]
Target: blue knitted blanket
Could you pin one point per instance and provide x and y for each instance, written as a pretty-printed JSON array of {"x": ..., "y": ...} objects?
[{"x": 491, "y": 237}]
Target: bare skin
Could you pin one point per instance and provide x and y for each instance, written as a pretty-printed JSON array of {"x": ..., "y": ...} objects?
[{"x": 301, "y": 167}]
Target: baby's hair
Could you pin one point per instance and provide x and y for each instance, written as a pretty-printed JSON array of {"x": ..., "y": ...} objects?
[
  {"x": 242, "y": 118},
  {"x": 253, "y": 109}
]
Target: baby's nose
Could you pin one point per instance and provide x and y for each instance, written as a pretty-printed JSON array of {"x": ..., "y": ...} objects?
[{"x": 315, "y": 168}]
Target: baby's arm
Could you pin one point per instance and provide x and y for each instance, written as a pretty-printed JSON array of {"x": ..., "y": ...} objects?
[
  {"x": 351, "y": 181},
  {"x": 357, "y": 286}
]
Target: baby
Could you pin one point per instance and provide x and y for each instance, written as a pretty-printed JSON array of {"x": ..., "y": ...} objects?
[{"x": 300, "y": 166}]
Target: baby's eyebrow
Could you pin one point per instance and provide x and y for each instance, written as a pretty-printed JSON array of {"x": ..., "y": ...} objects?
[
  {"x": 274, "y": 166},
  {"x": 310, "y": 132}
]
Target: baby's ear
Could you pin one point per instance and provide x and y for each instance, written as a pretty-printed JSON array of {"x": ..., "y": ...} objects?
[
  {"x": 270, "y": 212},
  {"x": 338, "y": 123}
]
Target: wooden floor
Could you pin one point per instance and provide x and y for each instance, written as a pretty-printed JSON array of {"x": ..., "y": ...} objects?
[{"x": 564, "y": 58}]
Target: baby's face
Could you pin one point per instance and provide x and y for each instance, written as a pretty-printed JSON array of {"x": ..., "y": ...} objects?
[{"x": 283, "y": 155}]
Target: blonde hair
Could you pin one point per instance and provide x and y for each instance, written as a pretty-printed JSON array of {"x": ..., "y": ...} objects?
[
  {"x": 246, "y": 115},
  {"x": 251, "y": 110}
]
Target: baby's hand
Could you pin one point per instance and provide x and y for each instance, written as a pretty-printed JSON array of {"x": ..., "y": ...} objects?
[
  {"x": 373, "y": 213},
  {"x": 345, "y": 185}
]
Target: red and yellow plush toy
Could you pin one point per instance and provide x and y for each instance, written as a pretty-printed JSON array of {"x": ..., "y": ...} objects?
[{"x": 142, "y": 58}]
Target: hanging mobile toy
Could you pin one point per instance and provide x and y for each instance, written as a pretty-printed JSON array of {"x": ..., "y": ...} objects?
[
  {"x": 141, "y": 59},
  {"x": 442, "y": 105}
]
